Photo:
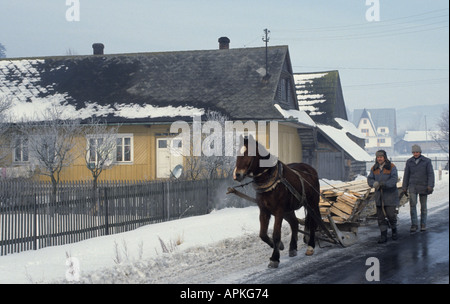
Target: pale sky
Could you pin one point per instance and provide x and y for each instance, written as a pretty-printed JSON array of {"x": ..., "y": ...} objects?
[{"x": 398, "y": 60}]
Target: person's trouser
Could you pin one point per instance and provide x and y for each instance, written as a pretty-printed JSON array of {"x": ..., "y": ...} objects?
[
  {"x": 388, "y": 220},
  {"x": 413, "y": 208}
]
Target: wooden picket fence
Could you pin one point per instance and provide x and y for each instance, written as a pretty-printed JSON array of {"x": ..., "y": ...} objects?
[{"x": 32, "y": 217}]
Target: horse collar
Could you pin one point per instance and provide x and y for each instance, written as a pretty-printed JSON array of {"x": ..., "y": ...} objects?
[{"x": 271, "y": 182}]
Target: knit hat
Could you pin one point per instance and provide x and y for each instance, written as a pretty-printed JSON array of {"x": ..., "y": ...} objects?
[
  {"x": 381, "y": 153},
  {"x": 416, "y": 148}
]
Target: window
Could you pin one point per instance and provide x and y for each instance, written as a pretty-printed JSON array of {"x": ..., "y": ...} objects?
[
  {"x": 124, "y": 148},
  {"x": 21, "y": 150},
  {"x": 117, "y": 149},
  {"x": 365, "y": 121},
  {"x": 94, "y": 149},
  {"x": 381, "y": 140},
  {"x": 162, "y": 144},
  {"x": 382, "y": 130},
  {"x": 283, "y": 90},
  {"x": 366, "y": 131}
]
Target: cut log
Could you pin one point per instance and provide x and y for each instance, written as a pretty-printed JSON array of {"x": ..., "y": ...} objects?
[
  {"x": 343, "y": 207},
  {"x": 339, "y": 213}
]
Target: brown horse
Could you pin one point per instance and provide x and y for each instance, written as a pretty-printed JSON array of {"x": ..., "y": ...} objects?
[{"x": 274, "y": 197}]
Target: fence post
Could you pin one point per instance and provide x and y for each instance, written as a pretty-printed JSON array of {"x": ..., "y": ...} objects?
[
  {"x": 35, "y": 223},
  {"x": 106, "y": 213},
  {"x": 168, "y": 200},
  {"x": 208, "y": 184}
]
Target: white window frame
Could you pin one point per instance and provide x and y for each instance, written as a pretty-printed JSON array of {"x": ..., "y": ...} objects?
[
  {"x": 122, "y": 137},
  {"x": 113, "y": 156},
  {"x": 95, "y": 137},
  {"x": 18, "y": 149}
]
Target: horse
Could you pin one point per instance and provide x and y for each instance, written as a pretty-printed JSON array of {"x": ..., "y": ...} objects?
[{"x": 273, "y": 196}]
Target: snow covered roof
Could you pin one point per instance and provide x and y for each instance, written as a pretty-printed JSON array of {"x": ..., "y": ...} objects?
[
  {"x": 415, "y": 136},
  {"x": 146, "y": 87},
  {"x": 320, "y": 95},
  {"x": 301, "y": 116},
  {"x": 340, "y": 137},
  {"x": 308, "y": 101}
]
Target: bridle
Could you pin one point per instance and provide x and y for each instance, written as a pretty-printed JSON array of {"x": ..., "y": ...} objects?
[{"x": 248, "y": 168}]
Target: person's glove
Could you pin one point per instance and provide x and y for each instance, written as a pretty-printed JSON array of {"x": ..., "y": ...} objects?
[
  {"x": 405, "y": 192},
  {"x": 382, "y": 185},
  {"x": 376, "y": 185},
  {"x": 429, "y": 190}
]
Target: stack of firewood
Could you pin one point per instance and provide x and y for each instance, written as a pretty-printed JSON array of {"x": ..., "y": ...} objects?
[
  {"x": 346, "y": 201},
  {"x": 341, "y": 205}
]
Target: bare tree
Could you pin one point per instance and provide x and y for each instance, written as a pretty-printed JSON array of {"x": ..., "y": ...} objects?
[
  {"x": 2, "y": 51},
  {"x": 213, "y": 161},
  {"x": 442, "y": 138},
  {"x": 218, "y": 164},
  {"x": 101, "y": 143},
  {"x": 5, "y": 146},
  {"x": 51, "y": 143}
]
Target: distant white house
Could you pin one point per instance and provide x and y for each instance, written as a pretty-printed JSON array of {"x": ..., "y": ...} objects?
[
  {"x": 427, "y": 140},
  {"x": 378, "y": 133}
]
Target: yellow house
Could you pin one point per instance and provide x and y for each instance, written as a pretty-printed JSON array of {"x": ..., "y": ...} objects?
[{"x": 145, "y": 94}]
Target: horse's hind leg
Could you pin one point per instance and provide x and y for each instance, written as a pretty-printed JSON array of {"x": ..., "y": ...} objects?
[
  {"x": 293, "y": 222},
  {"x": 311, "y": 226}
]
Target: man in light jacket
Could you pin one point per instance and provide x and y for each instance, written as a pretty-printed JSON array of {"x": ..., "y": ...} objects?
[{"x": 418, "y": 178}]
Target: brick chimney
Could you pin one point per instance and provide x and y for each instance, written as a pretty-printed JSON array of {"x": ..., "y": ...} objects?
[
  {"x": 224, "y": 43},
  {"x": 98, "y": 48}
]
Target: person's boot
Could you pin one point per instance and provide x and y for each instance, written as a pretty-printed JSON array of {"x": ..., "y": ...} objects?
[
  {"x": 394, "y": 234},
  {"x": 383, "y": 237}
]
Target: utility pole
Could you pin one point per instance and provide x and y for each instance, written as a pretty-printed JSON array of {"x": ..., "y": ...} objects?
[
  {"x": 265, "y": 38},
  {"x": 426, "y": 132}
]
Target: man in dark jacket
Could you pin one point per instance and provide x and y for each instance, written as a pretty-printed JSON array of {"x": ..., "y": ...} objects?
[
  {"x": 419, "y": 179},
  {"x": 383, "y": 177}
]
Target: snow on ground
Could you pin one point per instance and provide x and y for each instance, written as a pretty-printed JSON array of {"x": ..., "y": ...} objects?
[{"x": 202, "y": 249}]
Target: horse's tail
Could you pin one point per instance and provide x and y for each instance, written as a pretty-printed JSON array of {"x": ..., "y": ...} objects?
[
  {"x": 313, "y": 203},
  {"x": 312, "y": 216}
]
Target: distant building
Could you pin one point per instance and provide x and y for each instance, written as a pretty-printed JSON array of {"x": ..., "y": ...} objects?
[
  {"x": 336, "y": 148},
  {"x": 427, "y": 140},
  {"x": 379, "y": 128}
]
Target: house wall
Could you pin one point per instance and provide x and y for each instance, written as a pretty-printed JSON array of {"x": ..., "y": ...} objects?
[
  {"x": 143, "y": 164},
  {"x": 141, "y": 167},
  {"x": 289, "y": 145}
]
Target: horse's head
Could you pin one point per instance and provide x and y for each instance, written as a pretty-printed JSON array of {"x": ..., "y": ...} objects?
[
  {"x": 252, "y": 159},
  {"x": 245, "y": 161}
]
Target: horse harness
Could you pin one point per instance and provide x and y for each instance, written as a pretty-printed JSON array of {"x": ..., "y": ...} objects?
[{"x": 277, "y": 177}]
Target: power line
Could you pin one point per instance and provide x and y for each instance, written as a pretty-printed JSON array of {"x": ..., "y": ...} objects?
[
  {"x": 398, "y": 84},
  {"x": 370, "y": 35},
  {"x": 367, "y": 24},
  {"x": 381, "y": 29},
  {"x": 371, "y": 68}
]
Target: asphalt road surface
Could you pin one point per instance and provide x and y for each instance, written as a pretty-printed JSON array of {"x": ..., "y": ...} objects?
[{"x": 418, "y": 258}]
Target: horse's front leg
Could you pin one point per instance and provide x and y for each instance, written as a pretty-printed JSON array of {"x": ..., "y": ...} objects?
[
  {"x": 277, "y": 244},
  {"x": 264, "y": 218},
  {"x": 291, "y": 218}
]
